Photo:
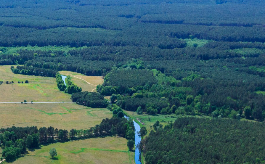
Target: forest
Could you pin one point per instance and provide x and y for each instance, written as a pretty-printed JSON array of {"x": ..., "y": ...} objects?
[
  {"x": 157, "y": 58},
  {"x": 198, "y": 140}
]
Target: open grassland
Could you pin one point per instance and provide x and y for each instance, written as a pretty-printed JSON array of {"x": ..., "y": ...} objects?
[
  {"x": 149, "y": 120},
  {"x": 87, "y": 83},
  {"x": 38, "y": 89},
  {"x": 109, "y": 150},
  {"x": 42, "y": 89},
  {"x": 63, "y": 116},
  {"x": 12, "y": 50}
]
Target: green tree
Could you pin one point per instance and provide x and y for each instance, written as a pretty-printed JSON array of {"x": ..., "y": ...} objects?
[
  {"x": 10, "y": 154},
  {"x": 53, "y": 152},
  {"x": 113, "y": 98},
  {"x": 248, "y": 112},
  {"x": 29, "y": 141},
  {"x": 130, "y": 144},
  {"x": 143, "y": 131},
  {"x": 139, "y": 110},
  {"x": 189, "y": 99},
  {"x": 120, "y": 114}
]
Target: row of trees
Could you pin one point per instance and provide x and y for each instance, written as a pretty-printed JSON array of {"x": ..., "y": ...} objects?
[
  {"x": 90, "y": 99},
  {"x": 16, "y": 140},
  {"x": 25, "y": 70}
]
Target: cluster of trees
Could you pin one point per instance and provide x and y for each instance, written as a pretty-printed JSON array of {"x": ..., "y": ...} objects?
[
  {"x": 16, "y": 140},
  {"x": 90, "y": 99},
  {"x": 71, "y": 87},
  {"x": 158, "y": 97},
  {"x": 123, "y": 81},
  {"x": 192, "y": 95},
  {"x": 68, "y": 86},
  {"x": 60, "y": 83},
  {"x": 197, "y": 140}
]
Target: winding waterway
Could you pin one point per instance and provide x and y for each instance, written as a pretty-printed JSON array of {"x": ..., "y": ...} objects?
[
  {"x": 137, "y": 137},
  {"x": 137, "y": 141},
  {"x": 64, "y": 77}
]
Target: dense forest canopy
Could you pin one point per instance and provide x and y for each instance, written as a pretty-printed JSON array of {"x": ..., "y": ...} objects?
[
  {"x": 197, "y": 140},
  {"x": 217, "y": 57}
]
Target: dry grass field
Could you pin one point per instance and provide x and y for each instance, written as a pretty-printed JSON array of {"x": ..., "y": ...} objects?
[
  {"x": 109, "y": 150},
  {"x": 63, "y": 116},
  {"x": 87, "y": 83}
]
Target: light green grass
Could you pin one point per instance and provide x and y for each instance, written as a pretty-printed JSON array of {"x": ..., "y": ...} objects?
[
  {"x": 48, "y": 113},
  {"x": 195, "y": 41},
  {"x": 15, "y": 50},
  {"x": 260, "y": 92},
  {"x": 248, "y": 51},
  {"x": 111, "y": 150}
]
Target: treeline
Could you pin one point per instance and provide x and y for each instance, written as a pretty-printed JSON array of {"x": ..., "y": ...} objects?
[
  {"x": 27, "y": 70},
  {"x": 90, "y": 99},
  {"x": 16, "y": 140},
  {"x": 197, "y": 140}
]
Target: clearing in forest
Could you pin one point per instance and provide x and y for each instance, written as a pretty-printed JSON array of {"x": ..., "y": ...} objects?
[
  {"x": 87, "y": 83},
  {"x": 110, "y": 150}
]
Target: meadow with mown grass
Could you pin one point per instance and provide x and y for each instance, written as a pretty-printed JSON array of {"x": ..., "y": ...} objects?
[{"x": 111, "y": 150}]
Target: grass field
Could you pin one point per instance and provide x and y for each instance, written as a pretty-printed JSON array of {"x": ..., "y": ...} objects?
[
  {"x": 38, "y": 89},
  {"x": 87, "y": 83},
  {"x": 63, "y": 116},
  {"x": 43, "y": 89},
  {"x": 109, "y": 150},
  {"x": 149, "y": 120}
]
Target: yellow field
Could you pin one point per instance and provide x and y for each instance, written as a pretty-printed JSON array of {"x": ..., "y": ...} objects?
[
  {"x": 87, "y": 83},
  {"x": 63, "y": 116},
  {"x": 109, "y": 150}
]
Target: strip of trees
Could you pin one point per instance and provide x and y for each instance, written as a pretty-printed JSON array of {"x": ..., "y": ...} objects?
[
  {"x": 90, "y": 99},
  {"x": 69, "y": 87},
  {"x": 16, "y": 140}
]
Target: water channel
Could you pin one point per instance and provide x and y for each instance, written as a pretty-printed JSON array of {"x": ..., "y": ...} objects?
[
  {"x": 64, "y": 77},
  {"x": 137, "y": 141},
  {"x": 137, "y": 137}
]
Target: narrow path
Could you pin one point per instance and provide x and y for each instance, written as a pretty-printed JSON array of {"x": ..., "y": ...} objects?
[{"x": 86, "y": 82}]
